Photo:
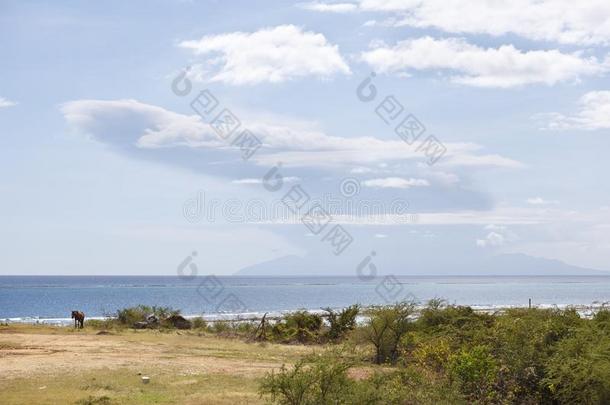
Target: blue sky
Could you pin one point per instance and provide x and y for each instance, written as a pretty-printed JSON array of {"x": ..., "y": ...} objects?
[{"x": 100, "y": 156}]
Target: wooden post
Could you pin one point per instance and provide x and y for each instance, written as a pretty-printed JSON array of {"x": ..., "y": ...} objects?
[{"x": 530, "y": 303}]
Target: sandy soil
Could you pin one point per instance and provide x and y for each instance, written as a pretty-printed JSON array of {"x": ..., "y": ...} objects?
[{"x": 27, "y": 355}]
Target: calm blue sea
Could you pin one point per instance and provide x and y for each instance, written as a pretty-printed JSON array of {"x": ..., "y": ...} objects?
[{"x": 51, "y": 298}]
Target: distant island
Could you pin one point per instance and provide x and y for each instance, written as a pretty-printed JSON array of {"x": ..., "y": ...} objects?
[{"x": 514, "y": 264}]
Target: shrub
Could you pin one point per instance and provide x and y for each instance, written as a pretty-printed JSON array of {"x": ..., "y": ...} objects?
[
  {"x": 461, "y": 323},
  {"x": 220, "y": 326},
  {"x": 522, "y": 341},
  {"x": 199, "y": 323},
  {"x": 432, "y": 353},
  {"x": 129, "y": 316},
  {"x": 602, "y": 318},
  {"x": 312, "y": 381},
  {"x": 579, "y": 371},
  {"x": 342, "y": 322},
  {"x": 474, "y": 370},
  {"x": 107, "y": 323},
  {"x": 324, "y": 380},
  {"x": 299, "y": 326}
]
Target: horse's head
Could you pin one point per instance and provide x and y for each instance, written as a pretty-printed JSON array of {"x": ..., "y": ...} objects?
[{"x": 74, "y": 314}]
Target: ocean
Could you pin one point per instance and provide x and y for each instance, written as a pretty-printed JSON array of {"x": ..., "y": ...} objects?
[{"x": 50, "y": 299}]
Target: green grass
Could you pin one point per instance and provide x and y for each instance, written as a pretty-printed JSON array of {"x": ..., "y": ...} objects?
[{"x": 124, "y": 386}]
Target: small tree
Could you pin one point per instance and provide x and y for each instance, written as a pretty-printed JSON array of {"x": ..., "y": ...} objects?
[{"x": 386, "y": 326}]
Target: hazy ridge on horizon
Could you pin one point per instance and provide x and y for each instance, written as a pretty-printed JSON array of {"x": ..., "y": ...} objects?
[{"x": 500, "y": 265}]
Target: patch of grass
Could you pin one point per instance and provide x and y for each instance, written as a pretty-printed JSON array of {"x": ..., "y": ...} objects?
[
  {"x": 124, "y": 387},
  {"x": 104, "y": 400},
  {"x": 10, "y": 345}
]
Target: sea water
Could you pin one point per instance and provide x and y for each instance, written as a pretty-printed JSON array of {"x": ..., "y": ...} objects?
[{"x": 51, "y": 298}]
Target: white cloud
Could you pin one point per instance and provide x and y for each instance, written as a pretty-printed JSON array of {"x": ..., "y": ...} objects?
[
  {"x": 502, "y": 67},
  {"x": 361, "y": 170},
  {"x": 134, "y": 124},
  {"x": 154, "y": 126},
  {"x": 6, "y": 103},
  {"x": 329, "y": 7},
  {"x": 395, "y": 182},
  {"x": 269, "y": 55},
  {"x": 492, "y": 239},
  {"x": 499, "y": 235},
  {"x": 541, "y": 201},
  {"x": 247, "y": 181},
  {"x": 593, "y": 113},
  {"x": 500, "y": 217},
  {"x": 563, "y": 21},
  {"x": 286, "y": 179},
  {"x": 380, "y": 235}
]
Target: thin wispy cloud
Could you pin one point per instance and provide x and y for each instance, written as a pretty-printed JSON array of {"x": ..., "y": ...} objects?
[
  {"x": 395, "y": 182},
  {"x": 496, "y": 220},
  {"x": 271, "y": 55},
  {"x": 541, "y": 201},
  {"x": 329, "y": 7},
  {"x": 6, "y": 103},
  {"x": 255, "y": 181}
]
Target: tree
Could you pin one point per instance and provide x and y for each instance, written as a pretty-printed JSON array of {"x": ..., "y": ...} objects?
[{"x": 386, "y": 326}]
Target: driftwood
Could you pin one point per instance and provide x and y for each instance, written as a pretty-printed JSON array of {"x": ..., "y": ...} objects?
[{"x": 260, "y": 334}]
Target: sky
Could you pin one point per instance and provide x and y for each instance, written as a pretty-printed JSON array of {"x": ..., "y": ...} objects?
[{"x": 410, "y": 129}]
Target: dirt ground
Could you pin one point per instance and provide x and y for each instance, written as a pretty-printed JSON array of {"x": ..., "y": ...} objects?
[
  {"x": 58, "y": 365},
  {"x": 30, "y": 354},
  {"x": 52, "y": 354}
]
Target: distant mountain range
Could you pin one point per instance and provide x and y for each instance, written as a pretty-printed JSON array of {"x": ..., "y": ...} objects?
[{"x": 515, "y": 264}]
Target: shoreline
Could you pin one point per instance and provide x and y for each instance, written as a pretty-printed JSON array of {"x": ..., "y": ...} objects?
[{"x": 584, "y": 310}]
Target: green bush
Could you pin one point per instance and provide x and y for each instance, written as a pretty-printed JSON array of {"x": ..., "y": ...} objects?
[
  {"x": 602, "y": 319},
  {"x": 129, "y": 316},
  {"x": 432, "y": 353},
  {"x": 320, "y": 380},
  {"x": 461, "y": 323},
  {"x": 199, "y": 323},
  {"x": 342, "y": 322},
  {"x": 452, "y": 354},
  {"x": 475, "y": 371},
  {"x": 522, "y": 341},
  {"x": 579, "y": 370},
  {"x": 220, "y": 326},
  {"x": 299, "y": 326},
  {"x": 108, "y": 323},
  {"x": 312, "y": 381}
]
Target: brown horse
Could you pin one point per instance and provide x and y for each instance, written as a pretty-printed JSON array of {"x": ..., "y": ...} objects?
[{"x": 79, "y": 319}]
